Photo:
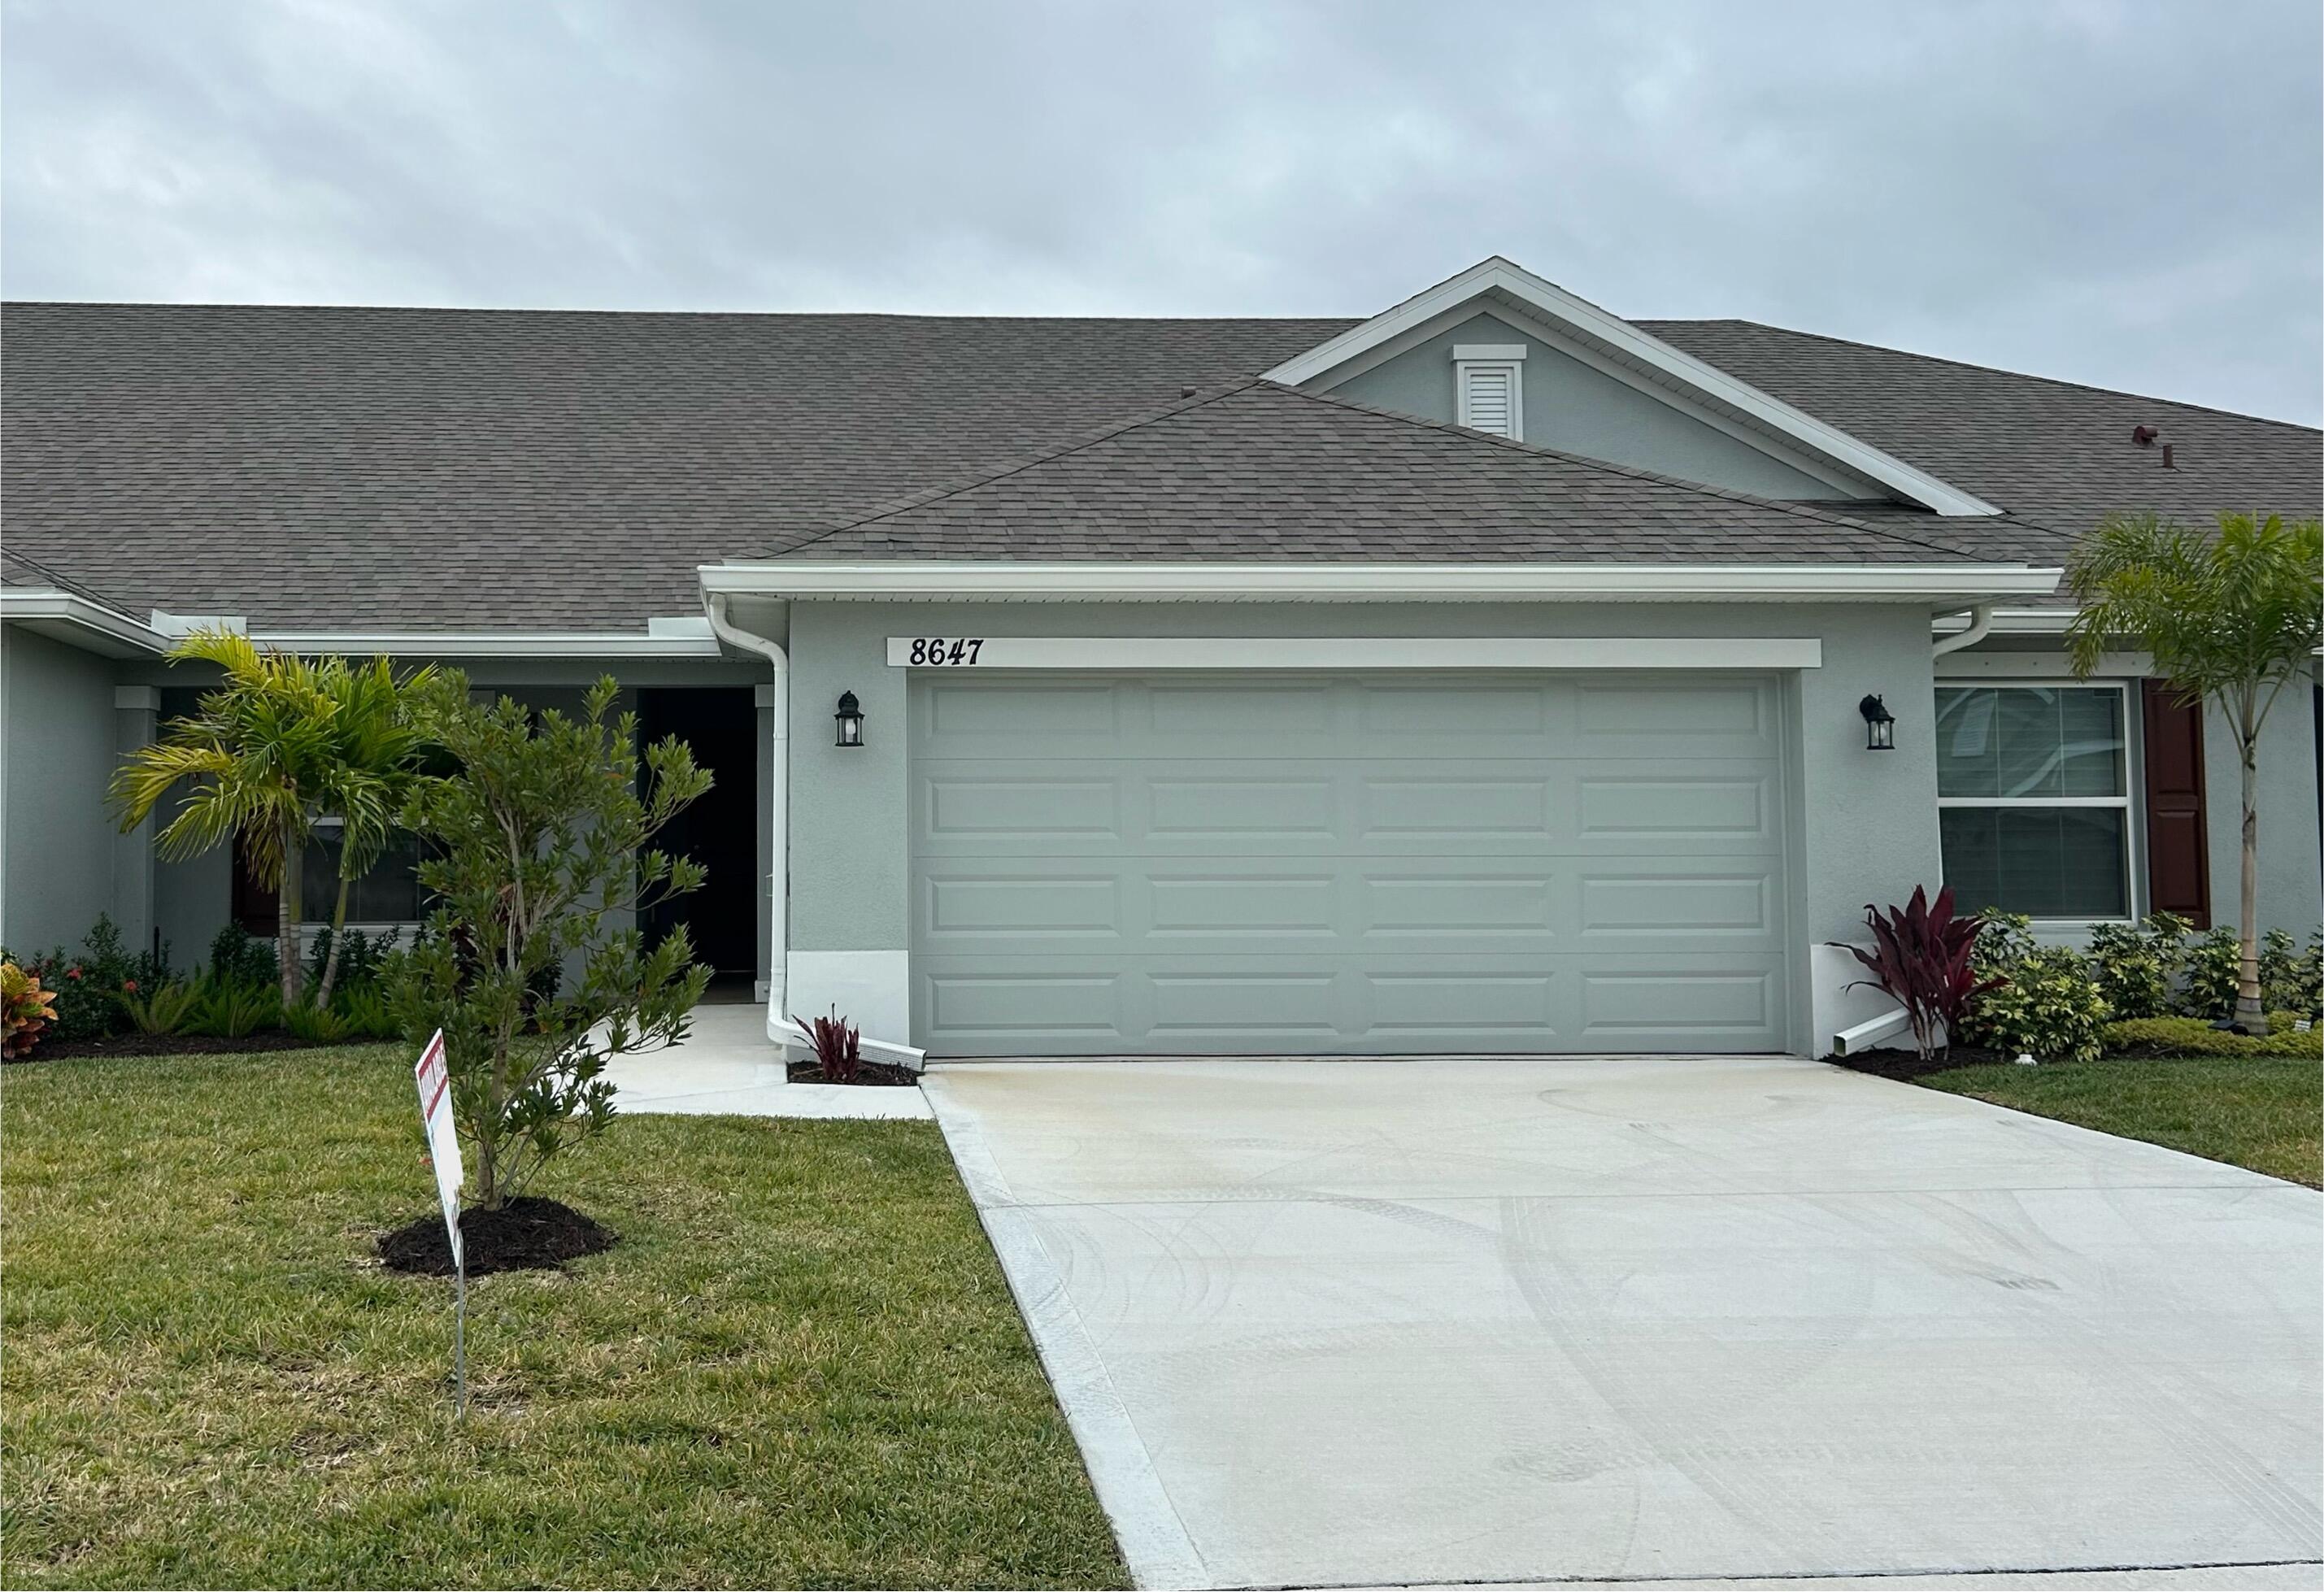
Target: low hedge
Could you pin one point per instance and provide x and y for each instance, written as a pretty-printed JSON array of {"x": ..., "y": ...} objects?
[{"x": 2143, "y": 1037}]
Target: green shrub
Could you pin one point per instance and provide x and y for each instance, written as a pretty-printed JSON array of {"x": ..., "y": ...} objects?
[
  {"x": 367, "y": 1013},
  {"x": 2214, "y": 967},
  {"x": 158, "y": 1009},
  {"x": 2050, "y": 1007},
  {"x": 88, "y": 983},
  {"x": 360, "y": 960},
  {"x": 316, "y": 1025},
  {"x": 2136, "y": 963},
  {"x": 2194, "y": 1036},
  {"x": 227, "y": 1010},
  {"x": 2291, "y": 979},
  {"x": 237, "y": 957}
]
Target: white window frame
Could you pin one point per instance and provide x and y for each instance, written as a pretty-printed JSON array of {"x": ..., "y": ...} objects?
[
  {"x": 2132, "y": 778},
  {"x": 1509, "y": 357}
]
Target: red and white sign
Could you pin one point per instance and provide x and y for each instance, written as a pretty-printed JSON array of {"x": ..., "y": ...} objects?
[{"x": 435, "y": 1082}]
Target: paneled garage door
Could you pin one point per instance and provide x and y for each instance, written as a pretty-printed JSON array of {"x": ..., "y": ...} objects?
[{"x": 1359, "y": 864}]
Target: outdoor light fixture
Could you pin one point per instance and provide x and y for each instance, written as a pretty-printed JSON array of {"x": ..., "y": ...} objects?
[
  {"x": 1879, "y": 725},
  {"x": 850, "y": 718}
]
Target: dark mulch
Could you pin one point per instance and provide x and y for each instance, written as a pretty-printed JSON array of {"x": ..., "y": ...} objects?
[
  {"x": 179, "y": 1045},
  {"x": 527, "y": 1234},
  {"x": 877, "y": 1075},
  {"x": 1905, "y": 1065}
]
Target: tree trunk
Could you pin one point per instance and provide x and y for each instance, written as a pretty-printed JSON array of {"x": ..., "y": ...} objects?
[
  {"x": 331, "y": 958},
  {"x": 2248, "y": 1012},
  {"x": 286, "y": 917}
]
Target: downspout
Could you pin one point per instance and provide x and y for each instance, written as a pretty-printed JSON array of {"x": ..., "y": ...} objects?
[
  {"x": 1980, "y": 626},
  {"x": 778, "y": 812}
]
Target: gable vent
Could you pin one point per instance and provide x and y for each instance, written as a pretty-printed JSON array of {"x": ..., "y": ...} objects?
[{"x": 1488, "y": 385}]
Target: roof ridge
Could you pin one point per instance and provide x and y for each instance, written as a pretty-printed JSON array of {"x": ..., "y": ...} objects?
[
  {"x": 1989, "y": 370},
  {"x": 1020, "y": 465},
  {"x": 1630, "y": 471}
]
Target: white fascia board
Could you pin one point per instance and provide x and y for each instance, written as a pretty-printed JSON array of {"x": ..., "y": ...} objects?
[
  {"x": 1163, "y": 653},
  {"x": 1497, "y": 275},
  {"x": 1117, "y": 582},
  {"x": 80, "y": 622},
  {"x": 487, "y": 644}
]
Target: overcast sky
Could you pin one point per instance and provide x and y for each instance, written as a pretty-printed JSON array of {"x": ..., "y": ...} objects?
[{"x": 2130, "y": 195}]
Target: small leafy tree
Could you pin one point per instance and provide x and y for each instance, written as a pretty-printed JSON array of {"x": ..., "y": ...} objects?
[
  {"x": 1921, "y": 955},
  {"x": 2230, "y": 618},
  {"x": 540, "y": 848}
]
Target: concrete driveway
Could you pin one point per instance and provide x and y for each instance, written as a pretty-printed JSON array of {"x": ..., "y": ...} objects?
[{"x": 1324, "y": 1323}]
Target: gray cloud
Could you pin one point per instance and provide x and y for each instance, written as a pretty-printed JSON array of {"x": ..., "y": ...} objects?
[{"x": 2125, "y": 194}]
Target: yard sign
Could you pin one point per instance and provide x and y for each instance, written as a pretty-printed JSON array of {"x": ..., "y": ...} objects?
[
  {"x": 435, "y": 1080},
  {"x": 443, "y": 1143}
]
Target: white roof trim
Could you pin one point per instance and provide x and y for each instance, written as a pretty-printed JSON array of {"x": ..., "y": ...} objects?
[
  {"x": 999, "y": 580},
  {"x": 1497, "y": 275},
  {"x": 79, "y": 623},
  {"x": 489, "y": 644}
]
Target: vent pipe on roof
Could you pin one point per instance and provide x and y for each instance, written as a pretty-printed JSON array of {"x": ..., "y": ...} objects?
[{"x": 2168, "y": 463}]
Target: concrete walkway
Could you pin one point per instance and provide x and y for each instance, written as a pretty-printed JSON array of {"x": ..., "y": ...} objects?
[
  {"x": 1351, "y": 1323},
  {"x": 727, "y": 1067}
]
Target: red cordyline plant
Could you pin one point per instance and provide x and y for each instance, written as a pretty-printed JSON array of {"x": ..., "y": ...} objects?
[
  {"x": 838, "y": 1046},
  {"x": 1920, "y": 956}
]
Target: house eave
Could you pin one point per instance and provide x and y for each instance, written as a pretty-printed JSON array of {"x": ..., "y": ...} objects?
[
  {"x": 61, "y": 616},
  {"x": 998, "y": 581}
]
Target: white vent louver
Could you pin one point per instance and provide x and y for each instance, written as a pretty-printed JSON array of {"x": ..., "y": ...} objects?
[{"x": 1489, "y": 384}]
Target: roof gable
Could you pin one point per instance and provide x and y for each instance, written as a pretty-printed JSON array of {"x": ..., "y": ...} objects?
[{"x": 1614, "y": 343}]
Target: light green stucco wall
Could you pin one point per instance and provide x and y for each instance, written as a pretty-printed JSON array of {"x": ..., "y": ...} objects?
[
  {"x": 1577, "y": 409},
  {"x": 56, "y": 758},
  {"x": 2290, "y": 871}
]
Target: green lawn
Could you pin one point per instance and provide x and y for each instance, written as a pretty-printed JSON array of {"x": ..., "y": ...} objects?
[
  {"x": 2260, "y": 1112},
  {"x": 801, "y": 1366}
]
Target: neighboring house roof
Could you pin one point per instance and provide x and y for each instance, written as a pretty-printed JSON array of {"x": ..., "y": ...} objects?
[
  {"x": 2057, "y": 456},
  {"x": 409, "y": 470},
  {"x": 1266, "y": 471}
]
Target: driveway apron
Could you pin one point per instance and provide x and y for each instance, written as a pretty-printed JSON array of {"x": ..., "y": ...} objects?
[{"x": 1336, "y": 1323}]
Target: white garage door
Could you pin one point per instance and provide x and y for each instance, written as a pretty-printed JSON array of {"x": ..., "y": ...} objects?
[{"x": 1358, "y": 864}]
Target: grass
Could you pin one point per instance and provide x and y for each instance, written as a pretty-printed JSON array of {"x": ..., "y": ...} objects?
[
  {"x": 800, "y": 1368},
  {"x": 2261, "y": 1112}
]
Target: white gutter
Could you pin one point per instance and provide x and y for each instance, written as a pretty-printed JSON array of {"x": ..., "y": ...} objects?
[
  {"x": 1003, "y": 580},
  {"x": 489, "y": 643},
  {"x": 90, "y": 626},
  {"x": 779, "y": 836},
  {"x": 1980, "y": 626}
]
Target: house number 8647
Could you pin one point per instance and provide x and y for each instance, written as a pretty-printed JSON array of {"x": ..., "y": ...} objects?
[{"x": 934, "y": 650}]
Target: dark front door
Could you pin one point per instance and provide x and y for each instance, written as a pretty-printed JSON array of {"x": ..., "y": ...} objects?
[{"x": 720, "y": 831}]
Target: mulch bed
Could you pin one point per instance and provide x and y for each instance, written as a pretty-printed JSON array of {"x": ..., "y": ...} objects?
[
  {"x": 1905, "y": 1065},
  {"x": 179, "y": 1045},
  {"x": 527, "y": 1234},
  {"x": 875, "y": 1074}
]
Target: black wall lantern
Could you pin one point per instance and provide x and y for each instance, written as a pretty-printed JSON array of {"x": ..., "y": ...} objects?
[
  {"x": 850, "y": 718},
  {"x": 1879, "y": 725}
]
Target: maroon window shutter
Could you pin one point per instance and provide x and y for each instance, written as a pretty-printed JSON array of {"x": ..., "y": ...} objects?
[{"x": 2177, "y": 849}]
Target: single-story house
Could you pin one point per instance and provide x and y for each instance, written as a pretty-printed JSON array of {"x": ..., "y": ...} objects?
[{"x": 1489, "y": 674}]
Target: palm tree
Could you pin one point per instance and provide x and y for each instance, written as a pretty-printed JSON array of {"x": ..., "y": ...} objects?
[
  {"x": 256, "y": 758},
  {"x": 2230, "y": 619},
  {"x": 377, "y": 745}
]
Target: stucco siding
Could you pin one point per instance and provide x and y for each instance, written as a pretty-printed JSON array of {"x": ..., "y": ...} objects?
[
  {"x": 2290, "y": 870},
  {"x": 1578, "y": 409},
  {"x": 57, "y": 745}
]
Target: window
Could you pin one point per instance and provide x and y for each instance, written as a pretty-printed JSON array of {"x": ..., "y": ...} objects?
[
  {"x": 2034, "y": 800},
  {"x": 389, "y": 892},
  {"x": 1488, "y": 387}
]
